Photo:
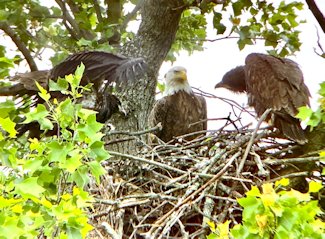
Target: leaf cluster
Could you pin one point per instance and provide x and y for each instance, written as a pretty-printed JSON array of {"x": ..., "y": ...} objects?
[
  {"x": 43, "y": 182},
  {"x": 311, "y": 117},
  {"x": 253, "y": 20},
  {"x": 275, "y": 213}
]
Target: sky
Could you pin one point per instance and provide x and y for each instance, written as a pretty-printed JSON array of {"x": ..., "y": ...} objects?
[{"x": 206, "y": 68}]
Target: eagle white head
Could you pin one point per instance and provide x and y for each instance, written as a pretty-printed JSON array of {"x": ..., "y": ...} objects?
[{"x": 176, "y": 80}]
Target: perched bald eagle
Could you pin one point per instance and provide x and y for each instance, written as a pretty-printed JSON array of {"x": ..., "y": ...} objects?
[
  {"x": 101, "y": 69},
  {"x": 180, "y": 111},
  {"x": 275, "y": 83}
]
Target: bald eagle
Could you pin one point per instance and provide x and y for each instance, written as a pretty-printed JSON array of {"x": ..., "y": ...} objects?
[
  {"x": 275, "y": 83},
  {"x": 180, "y": 111},
  {"x": 101, "y": 69}
]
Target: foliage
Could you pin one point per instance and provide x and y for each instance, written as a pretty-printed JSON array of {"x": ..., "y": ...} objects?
[
  {"x": 43, "y": 186},
  {"x": 314, "y": 118},
  {"x": 65, "y": 27},
  {"x": 275, "y": 213},
  {"x": 252, "y": 20}
]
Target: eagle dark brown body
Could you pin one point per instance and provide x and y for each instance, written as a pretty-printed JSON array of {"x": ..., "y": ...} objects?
[
  {"x": 275, "y": 83},
  {"x": 101, "y": 69},
  {"x": 180, "y": 111}
]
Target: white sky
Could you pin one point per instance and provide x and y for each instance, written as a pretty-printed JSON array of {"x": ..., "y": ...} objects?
[{"x": 206, "y": 68}]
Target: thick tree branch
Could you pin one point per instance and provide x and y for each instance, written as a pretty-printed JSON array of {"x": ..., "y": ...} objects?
[
  {"x": 114, "y": 11},
  {"x": 76, "y": 9},
  {"x": 67, "y": 17},
  {"x": 97, "y": 10},
  {"x": 20, "y": 45},
  {"x": 317, "y": 13}
]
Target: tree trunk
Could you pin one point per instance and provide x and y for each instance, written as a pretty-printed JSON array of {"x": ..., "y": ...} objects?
[{"x": 160, "y": 20}]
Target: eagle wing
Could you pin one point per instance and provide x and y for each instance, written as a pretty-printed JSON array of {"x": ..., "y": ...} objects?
[
  {"x": 202, "y": 110},
  {"x": 179, "y": 114},
  {"x": 275, "y": 83},
  {"x": 101, "y": 67},
  {"x": 159, "y": 114},
  {"x": 25, "y": 84}
]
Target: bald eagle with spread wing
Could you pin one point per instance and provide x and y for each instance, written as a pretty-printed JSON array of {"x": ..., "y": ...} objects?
[
  {"x": 180, "y": 111},
  {"x": 272, "y": 83},
  {"x": 101, "y": 69}
]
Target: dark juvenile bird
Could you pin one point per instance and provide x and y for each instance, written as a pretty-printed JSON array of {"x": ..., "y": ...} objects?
[
  {"x": 275, "y": 83},
  {"x": 101, "y": 69},
  {"x": 180, "y": 111}
]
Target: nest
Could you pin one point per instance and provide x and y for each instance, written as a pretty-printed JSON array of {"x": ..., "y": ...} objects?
[{"x": 173, "y": 190}]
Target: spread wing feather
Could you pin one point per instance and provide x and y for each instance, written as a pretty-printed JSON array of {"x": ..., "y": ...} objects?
[
  {"x": 101, "y": 68},
  {"x": 159, "y": 114}
]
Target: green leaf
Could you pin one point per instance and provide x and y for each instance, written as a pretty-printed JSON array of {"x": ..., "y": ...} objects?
[
  {"x": 304, "y": 113},
  {"x": 29, "y": 188},
  {"x": 60, "y": 85},
  {"x": 98, "y": 151},
  {"x": 80, "y": 177},
  {"x": 237, "y": 8},
  {"x": 6, "y": 107},
  {"x": 97, "y": 170},
  {"x": 78, "y": 75},
  {"x": 322, "y": 89},
  {"x": 59, "y": 151},
  {"x": 37, "y": 115},
  {"x": 8, "y": 125},
  {"x": 73, "y": 161},
  {"x": 314, "y": 187},
  {"x": 43, "y": 93},
  {"x": 90, "y": 130},
  {"x": 5, "y": 65}
]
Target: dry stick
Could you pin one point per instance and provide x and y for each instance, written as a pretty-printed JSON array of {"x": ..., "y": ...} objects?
[
  {"x": 110, "y": 231},
  {"x": 251, "y": 141},
  {"x": 154, "y": 129},
  {"x": 291, "y": 175},
  {"x": 147, "y": 161},
  {"x": 291, "y": 160},
  {"x": 203, "y": 187}
]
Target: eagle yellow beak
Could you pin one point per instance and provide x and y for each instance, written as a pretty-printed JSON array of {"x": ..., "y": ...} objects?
[{"x": 181, "y": 75}]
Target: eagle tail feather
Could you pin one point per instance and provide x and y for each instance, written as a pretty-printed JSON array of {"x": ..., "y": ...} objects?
[{"x": 291, "y": 128}]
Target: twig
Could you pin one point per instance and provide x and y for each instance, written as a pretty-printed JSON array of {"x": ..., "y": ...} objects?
[
  {"x": 291, "y": 160},
  {"x": 154, "y": 129},
  {"x": 251, "y": 141},
  {"x": 147, "y": 161},
  {"x": 110, "y": 231},
  {"x": 192, "y": 196}
]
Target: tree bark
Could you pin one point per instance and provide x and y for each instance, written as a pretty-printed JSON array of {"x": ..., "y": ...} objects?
[
  {"x": 317, "y": 13},
  {"x": 160, "y": 20}
]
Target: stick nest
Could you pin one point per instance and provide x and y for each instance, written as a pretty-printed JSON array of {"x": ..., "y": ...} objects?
[{"x": 173, "y": 190}]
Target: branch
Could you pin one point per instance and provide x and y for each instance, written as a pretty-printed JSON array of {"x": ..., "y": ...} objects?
[
  {"x": 291, "y": 160},
  {"x": 114, "y": 14},
  {"x": 131, "y": 15},
  {"x": 317, "y": 13},
  {"x": 158, "y": 127},
  {"x": 98, "y": 12},
  {"x": 163, "y": 219},
  {"x": 67, "y": 17},
  {"x": 251, "y": 141},
  {"x": 20, "y": 45}
]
